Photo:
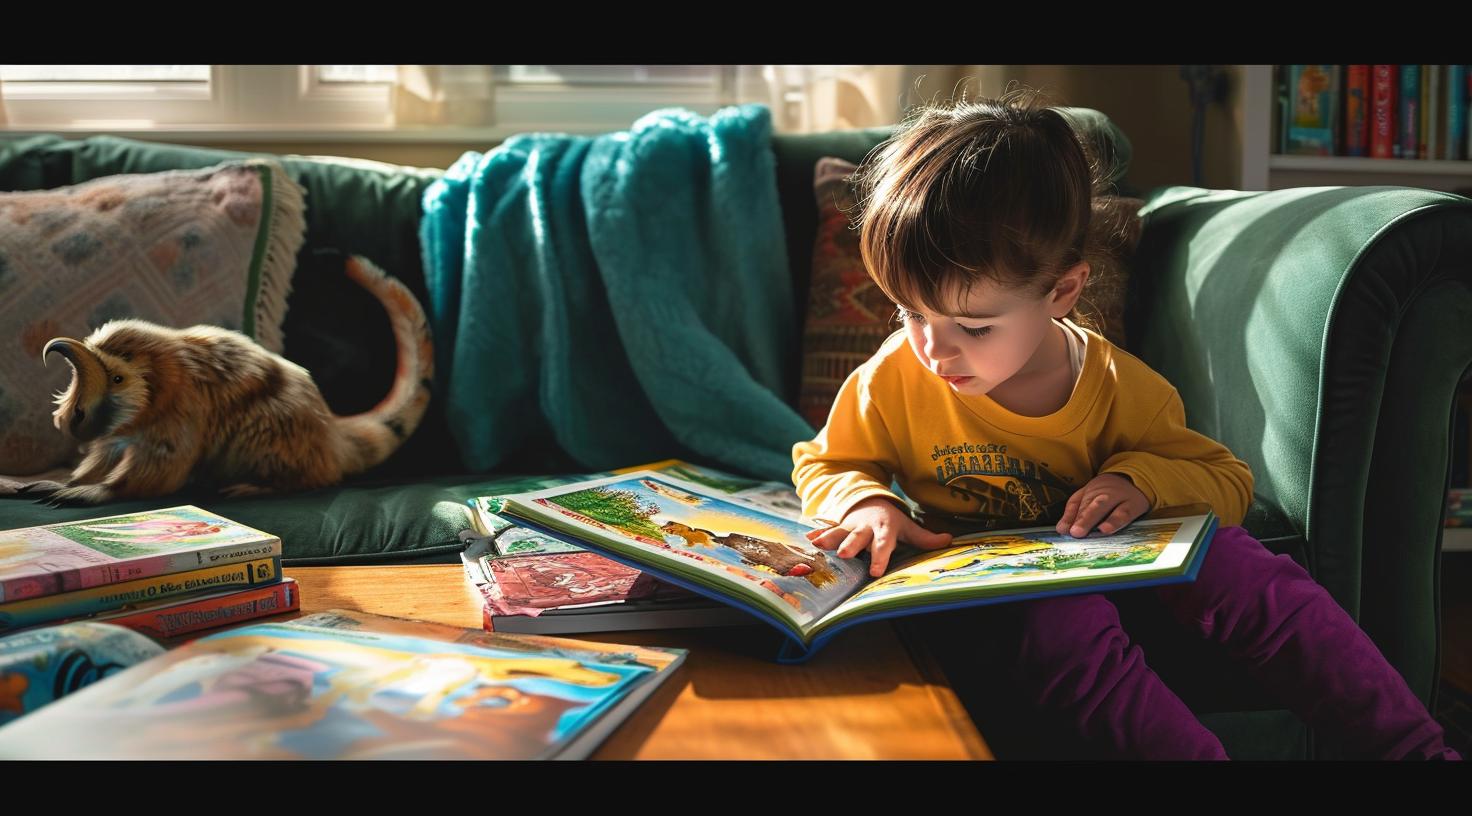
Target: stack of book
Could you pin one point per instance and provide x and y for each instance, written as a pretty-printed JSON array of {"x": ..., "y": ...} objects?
[
  {"x": 538, "y": 583},
  {"x": 163, "y": 573}
]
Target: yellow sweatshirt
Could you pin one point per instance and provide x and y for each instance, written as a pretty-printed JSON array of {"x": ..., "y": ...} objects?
[{"x": 972, "y": 464}]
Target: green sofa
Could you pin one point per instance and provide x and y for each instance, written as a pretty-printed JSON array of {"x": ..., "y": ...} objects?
[{"x": 1318, "y": 332}]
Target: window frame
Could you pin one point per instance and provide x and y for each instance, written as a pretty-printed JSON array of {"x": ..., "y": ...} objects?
[{"x": 264, "y": 103}]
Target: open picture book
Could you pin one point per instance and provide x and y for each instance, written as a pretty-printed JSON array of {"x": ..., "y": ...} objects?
[{"x": 697, "y": 538}]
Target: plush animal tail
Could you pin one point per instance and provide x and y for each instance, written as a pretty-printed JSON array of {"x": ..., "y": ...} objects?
[{"x": 372, "y": 436}]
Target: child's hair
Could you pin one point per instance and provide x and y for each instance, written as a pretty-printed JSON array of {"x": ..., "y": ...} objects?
[{"x": 996, "y": 189}]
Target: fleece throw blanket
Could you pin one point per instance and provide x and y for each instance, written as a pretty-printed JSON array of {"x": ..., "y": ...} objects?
[{"x": 626, "y": 295}]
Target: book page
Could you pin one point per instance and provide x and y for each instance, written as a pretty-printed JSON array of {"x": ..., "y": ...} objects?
[
  {"x": 1017, "y": 561},
  {"x": 694, "y": 532}
]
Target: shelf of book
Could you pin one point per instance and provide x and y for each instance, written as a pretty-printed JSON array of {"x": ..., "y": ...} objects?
[{"x": 1267, "y": 164}]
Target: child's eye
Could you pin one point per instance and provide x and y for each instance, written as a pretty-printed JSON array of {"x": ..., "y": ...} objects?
[
  {"x": 914, "y": 317},
  {"x": 982, "y": 331}
]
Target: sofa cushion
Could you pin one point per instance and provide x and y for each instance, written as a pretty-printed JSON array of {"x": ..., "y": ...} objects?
[
  {"x": 369, "y": 521},
  {"x": 178, "y": 248},
  {"x": 354, "y": 207}
]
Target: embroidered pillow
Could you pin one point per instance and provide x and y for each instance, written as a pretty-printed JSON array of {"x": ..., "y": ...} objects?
[
  {"x": 848, "y": 316},
  {"x": 179, "y": 248}
]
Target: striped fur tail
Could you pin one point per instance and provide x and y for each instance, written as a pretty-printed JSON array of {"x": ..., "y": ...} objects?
[{"x": 371, "y": 437}]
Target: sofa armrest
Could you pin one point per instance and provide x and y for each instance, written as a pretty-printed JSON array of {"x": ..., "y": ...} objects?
[{"x": 1320, "y": 333}]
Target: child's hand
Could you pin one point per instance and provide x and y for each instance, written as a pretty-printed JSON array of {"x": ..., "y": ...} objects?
[
  {"x": 1108, "y": 496},
  {"x": 878, "y": 524}
]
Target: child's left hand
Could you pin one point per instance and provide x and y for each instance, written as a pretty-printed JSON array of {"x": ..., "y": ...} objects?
[{"x": 1108, "y": 496}]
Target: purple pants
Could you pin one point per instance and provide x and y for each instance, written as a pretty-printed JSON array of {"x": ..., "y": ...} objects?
[{"x": 1270, "y": 616}]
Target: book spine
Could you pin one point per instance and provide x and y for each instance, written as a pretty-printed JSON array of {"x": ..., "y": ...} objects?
[
  {"x": 1382, "y": 115},
  {"x": 1356, "y": 111},
  {"x": 1408, "y": 112},
  {"x": 117, "y": 572},
  {"x": 19, "y": 614},
  {"x": 188, "y": 617},
  {"x": 1430, "y": 110},
  {"x": 1456, "y": 111}
]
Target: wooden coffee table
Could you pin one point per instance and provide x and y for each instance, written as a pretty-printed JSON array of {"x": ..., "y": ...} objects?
[{"x": 864, "y": 696}]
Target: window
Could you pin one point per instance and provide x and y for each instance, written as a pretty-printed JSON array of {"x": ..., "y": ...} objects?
[{"x": 226, "y": 102}]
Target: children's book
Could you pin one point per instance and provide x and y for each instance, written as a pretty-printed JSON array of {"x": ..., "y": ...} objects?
[
  {"x": 510, "y": 605},
  {"x": 535, "y": 582},
  {"x": 700, "y": 539},
  {"x": 41, "y": 666},
  {"x": 57, "y": 558},
  {"x": 348, "y": 685},
  {"x": 185, "y": 616},
  {"x": 114, "y": 597}
]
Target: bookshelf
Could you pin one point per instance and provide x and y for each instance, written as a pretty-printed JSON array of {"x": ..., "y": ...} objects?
[{"x": 1264, "y": 169}]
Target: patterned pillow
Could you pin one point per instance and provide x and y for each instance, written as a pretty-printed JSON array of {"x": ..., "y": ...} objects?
[
  {"x": 848, "y": 317},
  {"x": 214, "y": 246}
]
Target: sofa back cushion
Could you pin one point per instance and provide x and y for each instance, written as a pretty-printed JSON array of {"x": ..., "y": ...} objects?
[{"x": 178, "y": 248}]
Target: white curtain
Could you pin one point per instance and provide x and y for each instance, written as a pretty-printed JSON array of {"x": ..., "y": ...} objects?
[
  {"x": 459, "y": 95},
  {"x": 2, "y": 105},
  {"x": 803, "y": 98},
  {"x": 816, "y": 98}
]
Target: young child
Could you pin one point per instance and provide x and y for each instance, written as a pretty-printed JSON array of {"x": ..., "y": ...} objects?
[{"x": 993, "y": 408}]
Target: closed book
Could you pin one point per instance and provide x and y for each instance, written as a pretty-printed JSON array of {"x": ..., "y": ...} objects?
[
  {"x": 66, "y": 557},
  {"x": 1313, "y": 119},
  {"x": 1408, "y": 112},
  {"x": 40, "y": 666},
  {"x": 1357, "y": 110},
  {"x": 1456, "y": 112},
  {"x": 187, "y": 616},
  {"x": 112, "y": 597},
  {"x": 1384, "y": 84},
  {"x": 342, "y": 684}
]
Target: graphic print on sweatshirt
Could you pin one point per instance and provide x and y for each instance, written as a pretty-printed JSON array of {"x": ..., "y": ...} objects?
[{"x": 1000, "y": 489}]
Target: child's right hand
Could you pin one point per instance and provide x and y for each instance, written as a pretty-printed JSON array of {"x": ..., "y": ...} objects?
[{"x": 876, "y": 524}]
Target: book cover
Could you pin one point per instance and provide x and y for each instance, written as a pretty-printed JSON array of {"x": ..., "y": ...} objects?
[
  {"x": 1384, "y": 83},
  {"x": 763, "y": 562},
  {"x": 347, "y": 685},
  {"x": 1315, "y": 103},
  {"x": 57, "y": 558},
  {"x": 41, "y": 666},
  {"x": 111, "y": 597},
  {"x": 174, "y": 618},
  {"x": 1357, "y": 110}
]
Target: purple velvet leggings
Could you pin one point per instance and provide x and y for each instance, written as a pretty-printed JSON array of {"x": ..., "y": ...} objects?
[{"x": 1271, "y": 617}]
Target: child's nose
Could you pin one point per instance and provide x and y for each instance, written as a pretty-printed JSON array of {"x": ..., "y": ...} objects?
[{"x": 937, "y": 347}]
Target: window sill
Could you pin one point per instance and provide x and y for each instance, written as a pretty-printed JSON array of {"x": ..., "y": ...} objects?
[{"x": 235, "y": 134}]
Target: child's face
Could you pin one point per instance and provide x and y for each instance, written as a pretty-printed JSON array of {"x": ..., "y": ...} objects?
[{"x": 990, "y": 336}]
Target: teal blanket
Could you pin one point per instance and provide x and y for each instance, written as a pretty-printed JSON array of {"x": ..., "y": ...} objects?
[{"x": 626, "y": 296}]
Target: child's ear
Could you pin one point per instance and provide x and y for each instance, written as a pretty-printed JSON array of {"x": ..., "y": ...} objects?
[{"x": 1067, "y": 290}]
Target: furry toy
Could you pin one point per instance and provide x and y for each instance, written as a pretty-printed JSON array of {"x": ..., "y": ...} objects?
[{"x": 158, "y": 407}]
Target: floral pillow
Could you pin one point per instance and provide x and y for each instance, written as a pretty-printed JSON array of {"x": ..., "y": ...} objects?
[
  {"x": 214, "y": 246},
  {"x": 848, "y": 316}
]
